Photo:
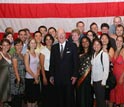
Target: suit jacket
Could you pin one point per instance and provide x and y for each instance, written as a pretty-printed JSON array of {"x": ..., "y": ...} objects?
[{"x": 62, "y": 69}]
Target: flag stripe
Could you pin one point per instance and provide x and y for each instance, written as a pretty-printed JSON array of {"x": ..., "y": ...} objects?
[
  {"x": 58, "y": 1},
  {"x": 67, "y": 23},
  {"x": 54, "y": 10}
]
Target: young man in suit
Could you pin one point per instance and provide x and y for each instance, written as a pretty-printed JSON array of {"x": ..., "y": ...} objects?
[{"x": 64, "y": 69}]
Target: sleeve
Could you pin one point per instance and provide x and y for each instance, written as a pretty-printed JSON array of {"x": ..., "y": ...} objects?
[
  {"x": 42, "y": 51},
  {"x": 75, "y": 60},
  {"x": 112, "y": 29},
  {"x": 91, "y": 73},
  {"x": 106, "y": 68}
]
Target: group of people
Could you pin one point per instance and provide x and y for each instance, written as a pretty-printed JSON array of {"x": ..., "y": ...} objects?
[{"x": 62, "y": 72}]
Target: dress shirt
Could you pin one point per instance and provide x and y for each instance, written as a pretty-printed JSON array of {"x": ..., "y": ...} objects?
[{"x": 63, "y": 44}]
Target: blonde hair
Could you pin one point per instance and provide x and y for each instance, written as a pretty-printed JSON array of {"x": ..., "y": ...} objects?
[{"x": 76, "y": 31}]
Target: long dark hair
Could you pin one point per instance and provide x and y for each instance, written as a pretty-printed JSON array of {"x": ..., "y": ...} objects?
[
  {"x": 94, "y": 34},
  {"x": 100, "y": 42},
  {"x": 109, "y": 43},
  {"x": 81, "y": 49}
]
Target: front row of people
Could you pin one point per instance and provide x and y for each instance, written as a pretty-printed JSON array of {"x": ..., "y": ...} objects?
[{"x": 68, "y": 72}]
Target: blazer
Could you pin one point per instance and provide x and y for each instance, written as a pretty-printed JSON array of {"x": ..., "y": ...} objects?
[{"x": 62, "y": 69}]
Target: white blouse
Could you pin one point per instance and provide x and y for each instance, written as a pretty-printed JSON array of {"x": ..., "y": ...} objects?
[{"x": 100, "y": 71}]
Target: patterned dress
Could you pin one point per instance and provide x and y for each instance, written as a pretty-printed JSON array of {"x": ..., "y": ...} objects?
[
  {"x": 84, "y": 91},
  {"x": 4, "y": 80},
  {"x": 17, "y": 89}
]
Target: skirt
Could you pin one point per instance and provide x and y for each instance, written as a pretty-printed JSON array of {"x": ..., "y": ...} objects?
[{"x": 32, "y": 91}]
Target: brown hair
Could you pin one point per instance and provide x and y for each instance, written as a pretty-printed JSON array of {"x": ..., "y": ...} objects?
[{"x": 28, "y": 45}]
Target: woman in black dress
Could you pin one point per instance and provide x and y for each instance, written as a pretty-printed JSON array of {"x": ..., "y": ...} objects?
[{"x": 84, "y": 88}]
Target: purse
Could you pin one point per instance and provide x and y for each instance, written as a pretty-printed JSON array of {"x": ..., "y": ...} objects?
[{"x": 111, "y": 81}]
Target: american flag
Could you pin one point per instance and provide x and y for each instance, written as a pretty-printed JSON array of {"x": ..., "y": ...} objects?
[{"x": 58, "y": 13}]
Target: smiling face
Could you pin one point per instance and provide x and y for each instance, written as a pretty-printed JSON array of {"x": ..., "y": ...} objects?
[
  {"x": 117, "y": 21},
  {"x": 94, "y": 28},
  {"x": 97, "y": 46},
  {"x": 80, "y": 26},
  {"x": 90, "y": 36},
  {"x": 75, "y": 36},
  {"x": 48, "y": 41},
  {"x": 105, "y": 30},
  {"x": 61, "y": 35},
  {"x": 38, "y": 37},
  {"x": 18, "y": 47},
  {"x": 5, "y": 46},
  {"x": 22, "y": 36},
  {"x": 10, "y": 38},
  {"x": 32, "y": 44},
  {"x": 52, "y": 32},
  {"x": 104, "y": 40},
  {"x": 119, "y": 31},
  {"x": 85, "y": 43},
  {"x": 43, "y": 31},
  {"x": 119, "y": 42}
]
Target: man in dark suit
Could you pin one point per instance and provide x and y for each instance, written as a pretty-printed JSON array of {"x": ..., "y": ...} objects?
[{"x": 63, "y": 68}]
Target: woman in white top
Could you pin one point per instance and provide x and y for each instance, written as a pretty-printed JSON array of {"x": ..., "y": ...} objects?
[
  {"x": 47, "y": 90},
  {"x": 100, "y": 70},
  {"x": 32, "y": 86}
]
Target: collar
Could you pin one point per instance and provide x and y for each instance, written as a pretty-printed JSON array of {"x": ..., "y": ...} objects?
[{"x": 62, "y": 44}]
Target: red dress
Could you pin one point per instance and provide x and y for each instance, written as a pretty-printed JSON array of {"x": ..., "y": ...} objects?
[{"x": 117, "y": 94}]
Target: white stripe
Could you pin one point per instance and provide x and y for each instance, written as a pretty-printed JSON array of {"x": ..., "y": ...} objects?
[
  {"x": 67, "y": 23},
  {"x": 58, "y": 1}
]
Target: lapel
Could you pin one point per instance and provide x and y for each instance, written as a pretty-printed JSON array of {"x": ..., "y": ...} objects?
[
  {"x": 65, "y": 50},
  {"x": 58, "y": 51}
]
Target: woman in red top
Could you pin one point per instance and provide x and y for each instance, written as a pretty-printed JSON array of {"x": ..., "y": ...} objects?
[{"x": 117, "y": 94}]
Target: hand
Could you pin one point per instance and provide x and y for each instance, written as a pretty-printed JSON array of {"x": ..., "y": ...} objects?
[
  {"x": 18, "y": 79},
  {"x": 45, "y": 82},
  {"x": 52, "y": 80},
  {"x": 73, "y": 79},
  {"x": 37, "y": 75},
  {"x": 36, "y": 79}
]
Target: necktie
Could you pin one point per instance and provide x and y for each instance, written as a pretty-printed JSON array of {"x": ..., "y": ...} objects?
[{"x": 61, "y": 52}]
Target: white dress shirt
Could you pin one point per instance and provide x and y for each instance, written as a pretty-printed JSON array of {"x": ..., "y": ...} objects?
[{"x": 63, "y": 44}]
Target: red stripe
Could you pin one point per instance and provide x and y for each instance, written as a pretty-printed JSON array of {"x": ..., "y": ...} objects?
[
  {"x": 16, "y": 34},
  {"x": 56, "y": 10}
]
